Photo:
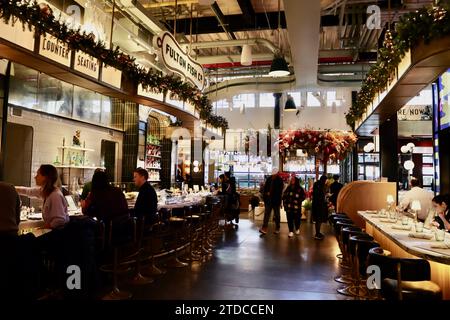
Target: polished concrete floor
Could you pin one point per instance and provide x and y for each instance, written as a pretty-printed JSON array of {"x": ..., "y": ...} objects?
[{"x": 246, "y": 265}]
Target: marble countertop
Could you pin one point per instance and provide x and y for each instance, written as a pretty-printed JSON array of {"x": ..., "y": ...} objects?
[{"x": 422, "y": 248}]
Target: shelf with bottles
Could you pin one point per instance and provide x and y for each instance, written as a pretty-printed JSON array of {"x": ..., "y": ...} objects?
[
  {"x": 153, "y": 151},
  {"x": 78, "y": 167},
  {"x": 153, "y": 176},
  {"x": 153, "y": 163}
]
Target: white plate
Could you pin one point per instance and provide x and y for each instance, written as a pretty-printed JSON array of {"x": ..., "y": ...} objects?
[{"x": 35, "y": 216}]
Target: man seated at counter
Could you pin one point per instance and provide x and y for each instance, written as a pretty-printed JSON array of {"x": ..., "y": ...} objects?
[
  {"x": 417, "y": 193},
  {"x": 441, "y": 206},
  {"x": 147, "y": 201},
  {"x": 9, "y": 210}
]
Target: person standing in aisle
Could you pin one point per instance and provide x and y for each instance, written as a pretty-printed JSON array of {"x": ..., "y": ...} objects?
[
  {"x": 335, "y": 188},
  {"x": 319, "y": 206},
  {"x": 292, "y": 200},
  {"x": 273, "y": 190}
]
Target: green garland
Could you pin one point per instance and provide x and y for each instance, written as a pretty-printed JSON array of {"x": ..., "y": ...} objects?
[
  {"x": 30, "y": 13},
  {"x": 425, "y": 24}
]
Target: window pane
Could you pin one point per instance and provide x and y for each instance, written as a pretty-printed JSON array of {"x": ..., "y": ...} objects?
[
  {"x": 55, "y": 96},
  {"x": 87, "y": 105},
  {"x": 23, "y": 87},
  {"x": 221, "y": 104},
  {"x": 266, "y": 100},
  {"x": 312, "y": 101},
  {"x": 247, "y": 99}
]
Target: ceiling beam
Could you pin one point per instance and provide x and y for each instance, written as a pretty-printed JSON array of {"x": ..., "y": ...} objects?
[
  {"x": 234, "y": 22},
  {"x": 247, "y": 11}
]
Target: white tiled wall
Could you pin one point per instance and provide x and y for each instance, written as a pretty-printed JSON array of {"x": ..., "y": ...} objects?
[{"x": 48, "y": 135}]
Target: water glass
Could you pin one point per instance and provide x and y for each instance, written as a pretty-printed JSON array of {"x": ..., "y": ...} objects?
[
  {"x": 440, "y": 235},
  {"x": 393, "y": 216},
  {"x": 405, "y": 220},
  {"x": 419, "y": 227}
]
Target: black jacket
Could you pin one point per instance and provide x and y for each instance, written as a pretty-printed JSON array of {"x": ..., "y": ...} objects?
[
  {"x": 273, "y": 191},
  {"x": 146, "y": 203}
]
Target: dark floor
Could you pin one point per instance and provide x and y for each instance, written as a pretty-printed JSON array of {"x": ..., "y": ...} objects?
[{"x": 246, "y": 265}]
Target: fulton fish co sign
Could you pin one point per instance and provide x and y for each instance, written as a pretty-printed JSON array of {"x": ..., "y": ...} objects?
[{"x": 177, "y": 61}]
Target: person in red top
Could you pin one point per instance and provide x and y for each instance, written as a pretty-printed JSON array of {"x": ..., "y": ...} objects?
[{"x": 292, "y": 200}]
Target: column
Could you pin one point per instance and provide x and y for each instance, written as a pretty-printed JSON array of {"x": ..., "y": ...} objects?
[
  {"x": 276, "y": 116},
  {"x": 388, "y": 149}
]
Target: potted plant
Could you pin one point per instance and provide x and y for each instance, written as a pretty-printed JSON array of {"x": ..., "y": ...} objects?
[{"x": 306, "y": 208}]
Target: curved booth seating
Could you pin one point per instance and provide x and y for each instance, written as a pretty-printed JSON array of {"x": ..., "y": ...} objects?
[
  {"x": 364, "y": 195},
  {"x": 404, "y": 278}
]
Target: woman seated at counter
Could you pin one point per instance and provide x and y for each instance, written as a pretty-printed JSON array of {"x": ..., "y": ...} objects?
[
  {"x": 54, "y": 209},
  {"x": 104, "y": 202},
  {"x": 441, "y": 205}
]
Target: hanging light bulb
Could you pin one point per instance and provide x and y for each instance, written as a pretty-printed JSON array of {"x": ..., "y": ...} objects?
[{"x": 246, "y": 55}]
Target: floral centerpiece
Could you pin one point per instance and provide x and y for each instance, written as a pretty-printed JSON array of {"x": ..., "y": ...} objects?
[{"x": 331, "y": 145}]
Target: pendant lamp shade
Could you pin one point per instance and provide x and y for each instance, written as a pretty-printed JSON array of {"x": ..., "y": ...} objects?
[
  {"x": 279, "y": 67},
  {"x": 290, "y": 104},
  {"x": 246, "y": 56}
]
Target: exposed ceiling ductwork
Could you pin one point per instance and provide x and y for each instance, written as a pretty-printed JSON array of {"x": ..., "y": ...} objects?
[{"x": 303, "y": 22}]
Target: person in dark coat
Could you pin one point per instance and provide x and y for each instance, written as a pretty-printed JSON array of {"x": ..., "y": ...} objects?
[
  {"x": 105, "y": 202},
  {"x": 335, "y": 188},
  {"x": 147, "y": 201},
  {"x": 232, "y": 197},
  {"x": 319, "y": 206},
  {"x": 293, "y": 198},
  {"x": 273, "y": 190}
]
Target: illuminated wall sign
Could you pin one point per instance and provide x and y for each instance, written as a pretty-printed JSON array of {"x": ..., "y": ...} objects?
[
  {"x": 414, "y": 113},
  {"x": 54, "y": 49},
  {"x": 149, "y": 93},
  {"x": 177, "y": 61},
  {"x": 86, "y": 64},
  {"x": 112, "y": 76},
  {"x": 16, "y": 34}
]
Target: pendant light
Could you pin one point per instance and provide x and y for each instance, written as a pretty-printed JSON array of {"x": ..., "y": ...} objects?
[
  {"x": 290, "y": 104},
  {"x": 246, "y": 55},
  {"x": 279, "y": 67}
]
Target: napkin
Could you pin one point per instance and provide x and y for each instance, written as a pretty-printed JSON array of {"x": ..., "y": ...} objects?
[
  {"x": 427, "y": 236},
  {"x": 441, "y": 246},
  {"x": 399, "y": 227},
  {"x": 387, "y": 220}
]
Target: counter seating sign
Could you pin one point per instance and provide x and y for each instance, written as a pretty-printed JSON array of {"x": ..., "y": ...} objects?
[
  {"x": 55, "y": 49},
  {"x": 177, "y": 61}
]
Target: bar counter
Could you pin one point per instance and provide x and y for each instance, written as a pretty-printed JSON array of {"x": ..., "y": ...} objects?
[{"x": 401, "y": 245}]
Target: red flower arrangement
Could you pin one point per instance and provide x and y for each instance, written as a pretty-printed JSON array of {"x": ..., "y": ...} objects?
[{"x": 331, "y": 145}]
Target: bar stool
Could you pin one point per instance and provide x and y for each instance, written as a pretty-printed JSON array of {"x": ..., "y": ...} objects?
[
  {"x": 405, "y": 278},
  {"x": 345, "y": 234},
  {"x": 362, "y": 245},
  {"x": 177, "y": 224},
  {"x": 122, "y": 245},
  {"x": 350, "y": 253},
  {"x": 142, "y": 231}
]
